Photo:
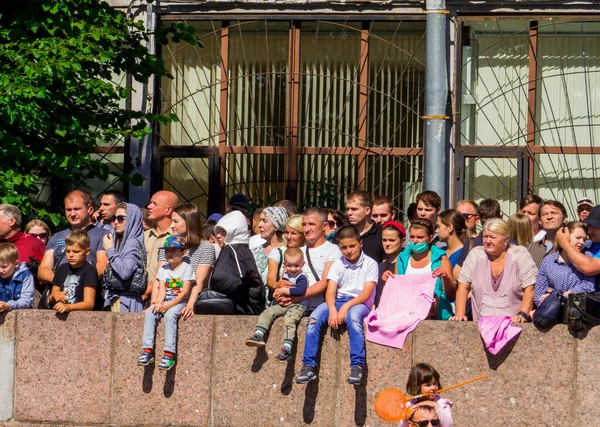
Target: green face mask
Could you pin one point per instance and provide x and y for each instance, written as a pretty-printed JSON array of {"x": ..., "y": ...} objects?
[{"x": 418, "y": 248}]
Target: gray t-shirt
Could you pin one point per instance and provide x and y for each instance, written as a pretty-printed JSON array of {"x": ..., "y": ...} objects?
[{"x": 58, "y": 245}]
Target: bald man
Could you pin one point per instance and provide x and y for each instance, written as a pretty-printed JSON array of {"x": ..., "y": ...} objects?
[{"x": 160, "y": 209}]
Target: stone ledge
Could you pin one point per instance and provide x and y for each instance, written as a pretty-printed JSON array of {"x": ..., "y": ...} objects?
[{"x": 82, "y": 370}]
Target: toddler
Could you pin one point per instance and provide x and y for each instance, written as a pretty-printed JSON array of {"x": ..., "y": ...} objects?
[{"x": 293, "y": 261}]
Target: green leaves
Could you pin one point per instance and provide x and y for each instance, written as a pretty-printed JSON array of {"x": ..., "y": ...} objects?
[{"x": 58, "y": 100}]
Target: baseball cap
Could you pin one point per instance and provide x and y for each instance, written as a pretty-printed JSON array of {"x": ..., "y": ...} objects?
[
  {"x": 175, "y": 241},
  {"x": 215, "y": 217},
  {"x": 593, "y": 218},
  {"x": 585, "y": 201}
]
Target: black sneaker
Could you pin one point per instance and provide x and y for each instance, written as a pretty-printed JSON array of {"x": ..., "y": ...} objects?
[
  {"x": 356, "y": 375},
  {"x": 256, "y": 340},
  {"x": 283, "y": 355},
  {"x": 307, "y": 374}
]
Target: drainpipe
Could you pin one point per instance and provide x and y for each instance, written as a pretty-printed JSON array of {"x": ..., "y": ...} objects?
[{"x": 436, "y": 168}]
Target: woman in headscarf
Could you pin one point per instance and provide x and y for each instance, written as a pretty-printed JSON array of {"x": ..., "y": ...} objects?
[
  {"x": 271, "y": 227},
  {"x": 127, "y": 259}
]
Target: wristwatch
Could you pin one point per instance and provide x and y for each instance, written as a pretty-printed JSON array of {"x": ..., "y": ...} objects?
[{"x": 524, "y": 315}]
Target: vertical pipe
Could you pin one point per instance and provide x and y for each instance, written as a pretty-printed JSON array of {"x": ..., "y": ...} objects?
[{"x": 435, "y": 171}]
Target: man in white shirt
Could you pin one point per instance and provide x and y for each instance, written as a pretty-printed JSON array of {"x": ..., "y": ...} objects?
[{"x": 318, "y": 253}]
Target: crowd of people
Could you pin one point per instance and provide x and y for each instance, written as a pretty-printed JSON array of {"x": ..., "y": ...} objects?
[{"x": 324, "y": 264}]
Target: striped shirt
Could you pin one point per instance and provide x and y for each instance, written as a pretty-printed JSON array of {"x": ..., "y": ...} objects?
[
  {"x": 202, "y": 255},
  {"x": 562, "y": 277}
]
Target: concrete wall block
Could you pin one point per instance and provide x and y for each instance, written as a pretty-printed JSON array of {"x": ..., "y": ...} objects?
[
  {"x": 252, "y": 388},
  {"x": 63, "y": 369},
  {"x": 146, "y": 395},
  {"x": 7, "y": 364}
]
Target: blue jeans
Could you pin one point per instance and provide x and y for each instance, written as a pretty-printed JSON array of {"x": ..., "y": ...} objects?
[
  {"x": 171, "y": 317},
  {"x": 354, "y": 320}
]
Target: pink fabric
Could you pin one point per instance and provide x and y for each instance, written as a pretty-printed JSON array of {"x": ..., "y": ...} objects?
[
  {"x": 405, "y": 301},
  {"x": 496, "y": 332}
]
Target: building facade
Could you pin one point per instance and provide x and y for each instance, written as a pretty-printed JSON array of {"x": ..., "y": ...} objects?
[{"x": 311, "y": 99}]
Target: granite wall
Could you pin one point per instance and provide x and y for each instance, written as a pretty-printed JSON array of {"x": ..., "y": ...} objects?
[{"x": 81, "y": 370}]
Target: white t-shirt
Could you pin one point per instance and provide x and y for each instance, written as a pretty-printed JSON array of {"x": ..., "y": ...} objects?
[
  {"x": 319, "y": 256},
  {"x": 173, "y": 280},
  {"x": 351, "y": 278}
]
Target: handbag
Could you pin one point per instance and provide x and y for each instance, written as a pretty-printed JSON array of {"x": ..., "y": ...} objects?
[
  {"x": 213, "y": 302},
  {"x": 137, "y": 284},
  {"x": 582, "y": 311},
  {"x": 549, "y": 312}
]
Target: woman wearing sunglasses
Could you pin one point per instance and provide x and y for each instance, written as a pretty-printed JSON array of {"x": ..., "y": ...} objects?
[
  {"x": 38, "y": 229},
  {"x": 126, "y": 254}
]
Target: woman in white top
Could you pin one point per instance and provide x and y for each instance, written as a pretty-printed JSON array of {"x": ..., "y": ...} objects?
[{"x": 293, "y": 238}]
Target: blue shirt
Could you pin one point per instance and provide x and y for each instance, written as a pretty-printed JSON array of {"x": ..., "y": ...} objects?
[
  {"x": 562, "y": 277},
  {"x": 595, "y": 250}
]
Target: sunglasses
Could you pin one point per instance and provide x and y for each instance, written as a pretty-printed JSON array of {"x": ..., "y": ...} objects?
[
  {"x": 468, "y": 216},
  {"x": 39, "y": 236},
  {"x": 332, "y": 224},
  {"x": 434, "y": 423},
  {"x": 119, "y": 218}
]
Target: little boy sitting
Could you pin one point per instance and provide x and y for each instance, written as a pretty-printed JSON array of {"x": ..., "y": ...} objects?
[
  {"x": 293, "y": 261},
  {"x": 74, "y": 283},
  {"x": 16, "y": 281},
  {"x": 174, "y": 282},
  {"x": 349, "y": 298}
]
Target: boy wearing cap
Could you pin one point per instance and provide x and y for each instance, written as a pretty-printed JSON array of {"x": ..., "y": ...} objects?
[{"x": 174, "y": 282}]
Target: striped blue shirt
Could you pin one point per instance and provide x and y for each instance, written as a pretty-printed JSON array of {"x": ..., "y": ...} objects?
[{"x": 562, "y": 277}]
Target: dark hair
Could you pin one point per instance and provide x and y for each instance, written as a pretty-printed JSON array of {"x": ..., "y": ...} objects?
[
  {"x": 423, "y": 224},
  {"x": 348, "y": 232},
  {"x": 420, "y": 374},
  {"x": 208, "y": 229},
  {"x": 116, "y": 194},
  {"x": 411, "y": 211},
  {"x": 338, "y": 216},
  {"x": 320, "y": 212},
  {"x": 554, "y": 203},
  {"x": 488, "y": 209},
  {"x": 430, "y": 198},
  {"x": 456, "y": 219},
  {"x": 189, "y": 213},
  {"x": 532, "y": 198},
  {"x": 364, "y": 198},
  {"x": 288, "y": 205}
]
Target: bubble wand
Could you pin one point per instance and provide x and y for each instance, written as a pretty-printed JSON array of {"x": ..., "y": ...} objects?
[{"x": 390, "y": 404}]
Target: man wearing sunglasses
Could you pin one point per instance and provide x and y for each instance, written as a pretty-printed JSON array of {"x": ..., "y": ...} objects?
[{"x": 422, "y": 414}]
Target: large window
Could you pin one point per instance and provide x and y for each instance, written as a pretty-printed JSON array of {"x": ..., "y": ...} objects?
[
  {"x": 530, "y": 85},
  {"x": 309, "y": 110}
]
